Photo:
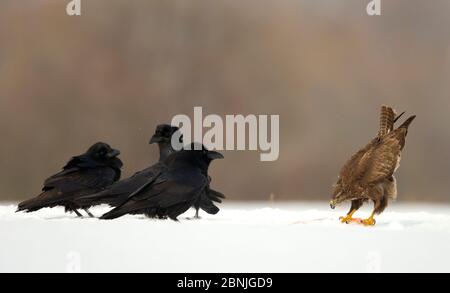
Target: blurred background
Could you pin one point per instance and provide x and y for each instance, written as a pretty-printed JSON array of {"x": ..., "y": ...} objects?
[{"x": 324, "y": 66}]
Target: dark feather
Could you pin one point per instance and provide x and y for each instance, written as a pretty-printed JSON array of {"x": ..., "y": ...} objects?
[
  {"x": 82, "y": 175},
  {"x": 174, "y": 191}
]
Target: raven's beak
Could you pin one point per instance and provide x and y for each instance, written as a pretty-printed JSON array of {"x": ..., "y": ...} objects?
[
  {"x": 332, "y": 204},
  {"x": 113, "y": 153},
  {"x": 214, "y": 155},
  {"x": 155, "y": 139}
]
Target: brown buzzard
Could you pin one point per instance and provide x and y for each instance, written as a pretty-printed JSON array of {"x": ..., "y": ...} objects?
[{"x": 369, "y": 174}]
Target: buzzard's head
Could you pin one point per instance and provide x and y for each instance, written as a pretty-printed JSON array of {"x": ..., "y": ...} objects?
[{"x": 338, "y": 194}]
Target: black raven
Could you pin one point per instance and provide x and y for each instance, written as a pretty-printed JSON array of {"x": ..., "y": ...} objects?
[
  {"x": 117, "y": 193},
  {"x": 120, "y": 191},
  {"x": 90, "y": 172},
  {"x": 185, "y": 183}
]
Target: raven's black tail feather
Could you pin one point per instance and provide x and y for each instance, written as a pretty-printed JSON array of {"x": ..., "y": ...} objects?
[{"x": 45, "y": 199}]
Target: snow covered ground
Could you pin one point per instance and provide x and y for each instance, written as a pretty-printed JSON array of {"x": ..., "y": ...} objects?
[{"x": 243, "y": 237}]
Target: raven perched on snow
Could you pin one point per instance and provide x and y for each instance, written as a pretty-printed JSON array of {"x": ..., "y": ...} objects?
[
  {"x": 120, "y": 191},
  {"x": 183, "y": 184},
  {"x": 90, "y": 172},
  {"x": 117, "y": 193}
]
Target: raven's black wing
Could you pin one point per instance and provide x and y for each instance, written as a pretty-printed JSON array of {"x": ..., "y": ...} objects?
[
  {"x": 119, "y": 192},
  {"x": 173, "y": 192},
  {"x": 68, "y": 184}
]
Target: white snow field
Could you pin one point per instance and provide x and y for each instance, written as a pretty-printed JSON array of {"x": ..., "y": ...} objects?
[{"x": 243, "y": 237}]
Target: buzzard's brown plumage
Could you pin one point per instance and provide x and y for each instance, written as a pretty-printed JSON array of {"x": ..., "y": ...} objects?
[{"x": 369, "y": 174}]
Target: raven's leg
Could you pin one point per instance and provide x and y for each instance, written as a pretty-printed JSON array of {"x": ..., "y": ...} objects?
[
  {"x": 356, "y": 204},
  {"x": 196, "y": 216},
  {"x": 88, "y": 212},
  {"x": 77, "y": 212}
]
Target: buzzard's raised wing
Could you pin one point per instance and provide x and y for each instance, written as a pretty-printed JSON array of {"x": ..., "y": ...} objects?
[
  {"x": 352, "y": 168},
  {"x": 355, "y": 168},
  {"x": 382, "y": 161}
]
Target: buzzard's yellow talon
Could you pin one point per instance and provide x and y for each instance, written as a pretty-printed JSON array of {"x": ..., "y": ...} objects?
[
  {"x": 347, "y": 219},
  {"x": 369, "y": 222}
]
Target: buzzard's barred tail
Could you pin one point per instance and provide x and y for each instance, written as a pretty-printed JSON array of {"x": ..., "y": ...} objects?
[
  {"x": 408, "y": 122},
  {"x": 387, "y": 120},
  {"x": 383, "y": 121}
]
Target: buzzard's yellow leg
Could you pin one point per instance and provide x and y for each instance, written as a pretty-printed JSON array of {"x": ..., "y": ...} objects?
[
  {"x": 369, "y": 221},
  {"x": 347, "y": 219}
]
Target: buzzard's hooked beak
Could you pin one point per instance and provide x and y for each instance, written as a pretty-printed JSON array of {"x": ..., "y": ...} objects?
[{"x": 332, "y": 204}]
